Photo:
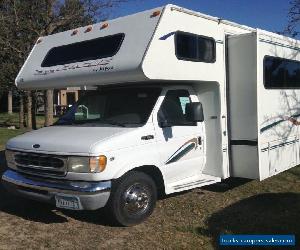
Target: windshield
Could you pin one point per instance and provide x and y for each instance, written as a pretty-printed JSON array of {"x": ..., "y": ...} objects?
[{"x": 117, "y": 107}]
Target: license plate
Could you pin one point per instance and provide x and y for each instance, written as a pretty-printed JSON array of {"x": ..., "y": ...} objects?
[{"x": 68, "y": 202}]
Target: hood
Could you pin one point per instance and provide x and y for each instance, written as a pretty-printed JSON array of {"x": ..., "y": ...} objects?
[{"x": 64, "y": 139}]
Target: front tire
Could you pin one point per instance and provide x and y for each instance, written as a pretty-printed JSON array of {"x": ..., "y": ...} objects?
[{"x": 132, "y": 199}]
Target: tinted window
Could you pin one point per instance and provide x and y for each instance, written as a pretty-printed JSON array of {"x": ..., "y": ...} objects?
[
  {"x": 281, "y": 73},
  {"x": 84, "y": 51},
  {"x": 172, "y": 109},
  {"x": 193, "y": 47}
]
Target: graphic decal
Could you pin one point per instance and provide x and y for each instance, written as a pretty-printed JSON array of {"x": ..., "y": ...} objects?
[
  {"x": 279, "y": 145},
  {"x": 102, "y": 65},
  {"x": 183, "y": 150},
  {"x": 282, "y": 119}
]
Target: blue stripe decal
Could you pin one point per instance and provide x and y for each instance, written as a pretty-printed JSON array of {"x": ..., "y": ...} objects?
[
  {"x": 279, "y": 145},
  {"x": 183, "y": 150},
  {"x": 181, "y": 153},
  {"x": 276, "y": 123}
]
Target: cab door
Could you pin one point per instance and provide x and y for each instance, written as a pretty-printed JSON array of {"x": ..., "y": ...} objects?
[{"x": 180, "y": 142}]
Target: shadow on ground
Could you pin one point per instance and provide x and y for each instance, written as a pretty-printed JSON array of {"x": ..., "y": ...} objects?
[
  {"x": 41, "y": 212},
  {"x": 268, "y": 213},
  {"x": 29, "y": 210},
  {"x": 226, "y": 185}
]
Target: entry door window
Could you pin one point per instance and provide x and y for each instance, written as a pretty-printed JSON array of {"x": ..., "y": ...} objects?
[{"x": 172, "y": 109}]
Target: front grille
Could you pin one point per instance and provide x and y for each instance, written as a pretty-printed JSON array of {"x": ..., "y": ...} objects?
[{"x": 41, "y": 164}]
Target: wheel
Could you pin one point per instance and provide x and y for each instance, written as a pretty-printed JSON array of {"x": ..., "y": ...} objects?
[{"x": 132, "y": 199}]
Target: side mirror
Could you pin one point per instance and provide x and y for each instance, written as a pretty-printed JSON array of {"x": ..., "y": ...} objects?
[
  {"x": 194, "y": 112},
  {"x": 162, "y": 120},
  {"x": 164, "y": 124}
]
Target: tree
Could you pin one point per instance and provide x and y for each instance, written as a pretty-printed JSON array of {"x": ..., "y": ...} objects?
[
  {"x": 292, "y": 27},
  {"x": 21, "y": 111},
  {"x": 23, "y": 22},
  {"x": 48, "y": 107},
  {"x": 9, "y": 102},
  {"x": 29, "y": 109}
]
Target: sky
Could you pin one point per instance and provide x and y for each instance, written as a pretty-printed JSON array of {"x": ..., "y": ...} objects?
[{"x": 270, "y": 15}]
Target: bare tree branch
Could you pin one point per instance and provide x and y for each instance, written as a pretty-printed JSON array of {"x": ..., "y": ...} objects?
[
  {"x": 22, "y": 22},
  {"x": 292, "y": 27}
]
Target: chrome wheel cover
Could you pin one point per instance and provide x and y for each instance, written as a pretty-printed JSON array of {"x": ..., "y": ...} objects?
[{"x": 137, "y": 199}]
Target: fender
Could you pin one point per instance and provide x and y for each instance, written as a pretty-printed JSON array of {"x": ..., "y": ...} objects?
[{"x": 130, "y": 158}]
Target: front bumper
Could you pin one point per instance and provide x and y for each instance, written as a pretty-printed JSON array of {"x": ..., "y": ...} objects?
[{"x": 92, "y": 195}]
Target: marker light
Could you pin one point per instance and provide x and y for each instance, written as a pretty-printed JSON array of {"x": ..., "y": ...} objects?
[
  {"x": 88, "y": 29},
  {"x": 155, "y": 13},
  {"x": 104, "y": 26},
  {"x": 98, "y": 164},
  {"x": 102, "y": 162},
  {"x": 74, "y": 32}
]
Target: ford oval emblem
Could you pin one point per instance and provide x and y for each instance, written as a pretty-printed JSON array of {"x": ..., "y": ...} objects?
[{"x": 36, "y": 145}]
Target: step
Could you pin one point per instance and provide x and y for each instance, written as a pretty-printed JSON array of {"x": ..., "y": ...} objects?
[{"x": 191, "y": 182}]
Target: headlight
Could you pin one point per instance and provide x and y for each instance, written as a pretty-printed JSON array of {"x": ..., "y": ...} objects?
[
  {"x": 79, "y": 164},
  {"x": 10, "y": 156}
]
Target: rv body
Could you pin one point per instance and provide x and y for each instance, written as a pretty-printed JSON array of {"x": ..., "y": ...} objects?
[{"x": 171, "y": 67}]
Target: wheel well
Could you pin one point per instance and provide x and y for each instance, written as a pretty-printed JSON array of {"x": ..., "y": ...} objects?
[{"x": 156, "y": 175}]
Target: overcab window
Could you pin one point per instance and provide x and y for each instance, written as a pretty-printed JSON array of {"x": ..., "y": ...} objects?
[
  {"x": 192, "y": 47},
  {"x": 94, "y": 49}
]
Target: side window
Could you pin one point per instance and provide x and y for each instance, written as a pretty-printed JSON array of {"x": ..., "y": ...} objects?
[
  {"x": 183, "y": 101},
  {"x": 192, "y": 47},
  {"x": 281, "y": 73},
  {"x": 172, "y": 109}
]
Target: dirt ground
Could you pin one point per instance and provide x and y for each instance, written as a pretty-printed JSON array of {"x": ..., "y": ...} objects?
[{"x": 190, "y": 220}]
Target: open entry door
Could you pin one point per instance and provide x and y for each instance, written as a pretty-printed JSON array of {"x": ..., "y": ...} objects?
[{"x": 242, "y": 105}]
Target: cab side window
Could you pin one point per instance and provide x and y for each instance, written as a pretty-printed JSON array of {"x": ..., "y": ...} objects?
[{"x": 172, "y": 110}]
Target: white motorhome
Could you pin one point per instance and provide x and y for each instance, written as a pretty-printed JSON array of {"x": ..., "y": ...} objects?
[{"x": 181, "y": 100}]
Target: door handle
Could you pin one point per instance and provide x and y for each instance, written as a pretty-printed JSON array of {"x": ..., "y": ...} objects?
[
  {"x": 147, "y": 137},
  {"x": 200, "y": 140}
]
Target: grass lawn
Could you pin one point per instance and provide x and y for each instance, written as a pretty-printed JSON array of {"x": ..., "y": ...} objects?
[
  {"x": 13, "y": 120},
  {"x": 188, "y": 220},
  {"x": 6, "y": 134}
]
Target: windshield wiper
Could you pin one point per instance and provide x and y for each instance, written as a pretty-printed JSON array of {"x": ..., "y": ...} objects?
[
  {"x": 111, "y": 122},
  {"x": 62, "y": 123},
  {"x": 92, "y": 121}
]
